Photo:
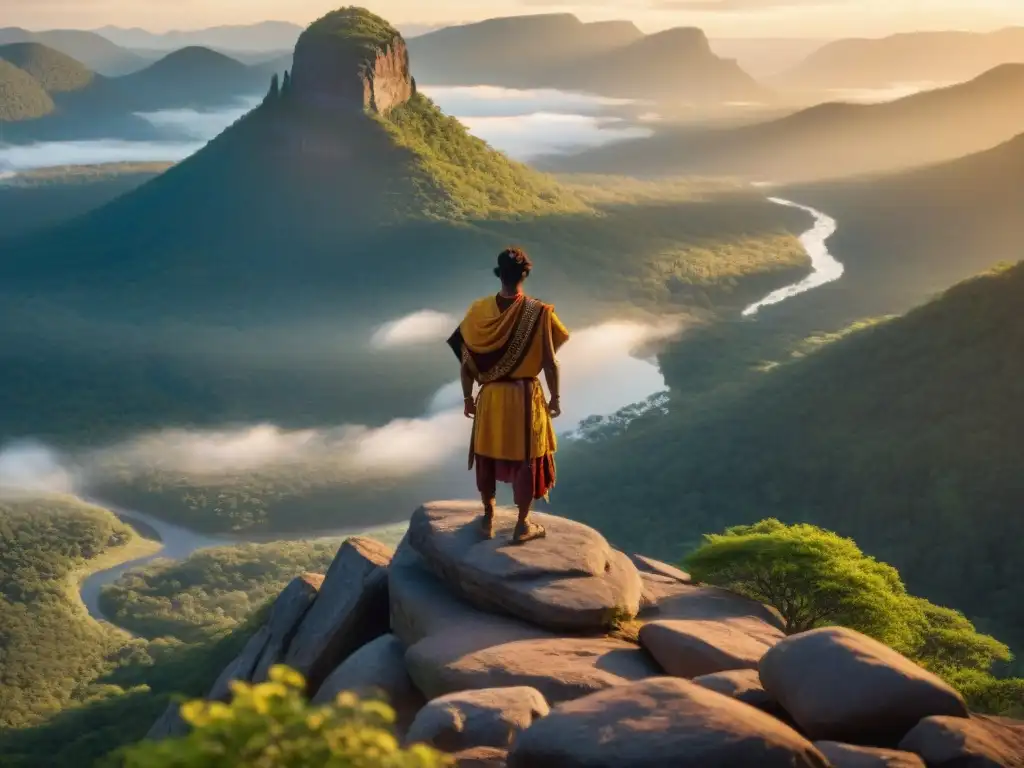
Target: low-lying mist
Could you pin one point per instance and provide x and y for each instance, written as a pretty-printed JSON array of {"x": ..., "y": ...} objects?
[{"x": 603, "y": 368}]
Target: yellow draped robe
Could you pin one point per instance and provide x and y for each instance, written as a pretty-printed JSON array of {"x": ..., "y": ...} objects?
[{"x": 506, "y": 351}]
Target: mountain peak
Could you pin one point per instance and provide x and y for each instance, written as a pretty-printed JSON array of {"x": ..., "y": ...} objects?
[{"x": 352, "y": 58}]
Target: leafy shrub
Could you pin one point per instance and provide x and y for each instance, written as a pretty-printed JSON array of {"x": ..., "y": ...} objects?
[{"x": 271, "y": 725}]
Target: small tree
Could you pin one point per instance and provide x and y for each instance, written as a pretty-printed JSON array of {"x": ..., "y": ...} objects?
[
  {"x": 286, "y": 88},
  {"x": 813, "y": 577},
  {"x": 271, "y": 725},
  {"x": 947, "y": 642}
]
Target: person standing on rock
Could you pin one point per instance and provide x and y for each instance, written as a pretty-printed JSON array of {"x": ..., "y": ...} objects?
[{"x": 503, "y": 344}]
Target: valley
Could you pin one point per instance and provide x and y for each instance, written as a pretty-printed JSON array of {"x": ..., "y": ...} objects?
[{"x": 790, "y": 276}]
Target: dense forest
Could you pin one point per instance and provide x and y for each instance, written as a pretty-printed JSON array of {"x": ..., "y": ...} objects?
[
  {"x": 72, "y": 689},
  {"x": 51, "y": 653},
  {"x": 902, "y": 435},
  {"x": 213, "y": 591}
]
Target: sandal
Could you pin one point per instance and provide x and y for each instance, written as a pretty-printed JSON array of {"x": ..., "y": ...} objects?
[{"x": 528, "y": 532}]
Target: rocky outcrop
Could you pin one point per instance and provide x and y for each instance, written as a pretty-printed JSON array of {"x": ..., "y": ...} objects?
[
  {"x": 462, "y": 637},
  {"x": 352, "y": 610},
  {"x": 289, "y": 609},
  {"x": 454, "y": 646},
  {"x": 352, "y": 60},
  {"x": 839, "y": 685},
  {"x": 661, "y": 722},
  {"x": 492, "y": 717},
  {"x": 980, "y": 742},
  {"x": 377, "y": 670},
  {"x": 572, "y": 580}
]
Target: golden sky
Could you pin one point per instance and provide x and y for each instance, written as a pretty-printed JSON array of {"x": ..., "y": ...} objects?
[{"x": 742, "y": 18}]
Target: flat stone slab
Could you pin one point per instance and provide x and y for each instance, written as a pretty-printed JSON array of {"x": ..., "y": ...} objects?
[
  {"x": 658, "y": 723},
  {"x": 840, "y": 685},
  {"x": 850, "y": 756},
  {"x": 491, "y": 717},
  {"x": 572, "y": 580},
  {"x": 691, "y": 648},
  {"x": 978, "y": 742},
  {"x": 679, "y": 601}
]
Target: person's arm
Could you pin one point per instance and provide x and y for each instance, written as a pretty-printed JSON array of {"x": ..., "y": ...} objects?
[
  {"x": 552, "y": 378},
  {"x": 469, "y": 406}
]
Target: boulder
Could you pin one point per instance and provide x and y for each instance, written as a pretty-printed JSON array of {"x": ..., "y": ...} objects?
[
  {"x": 980, "y": 742},
  {"x": 572, "y": 580},
  {"x": 840, "y": 685},
  {"x": 289, "y": 608},
  {"x": 421, "y": 605},
  {"x": 481, "y": 757},
  {"x": 350, "y": 611},
  {"x": 656, "y": 723},
  {"x": 659, "y": 581},
  {"x": 483, "y": 718},
  {"x": 243, "y": 666},
  {"x": 376, "y": 670},
  {"x": 850, "y": 756},
  {"x": 693, "y": 648},
  {"x": 743, "y": 685}
]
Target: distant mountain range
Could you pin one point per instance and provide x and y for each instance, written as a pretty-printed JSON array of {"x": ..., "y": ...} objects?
[
  {"x": 932, "y": 57},
  {"x": 47, "y": 95},
  {"x": 95, "y": 52},
  {"x": 265, "y": 36},
  {"x": 559, "y": 51},
  {"x": 831, "y": 140}
]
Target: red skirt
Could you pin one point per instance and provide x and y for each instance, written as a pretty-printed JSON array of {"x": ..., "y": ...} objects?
[{"x": 529, "y": 481}]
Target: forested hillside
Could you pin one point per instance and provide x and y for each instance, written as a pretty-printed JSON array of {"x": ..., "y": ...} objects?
[
  {"x": 903, "y": 435},
  {"x": 51, "y": 653}
]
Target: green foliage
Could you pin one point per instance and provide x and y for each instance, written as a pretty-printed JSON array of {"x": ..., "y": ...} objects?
[
  {"x": 21, "y": 95},
  {"x": 55, "y": 71},
  {"x": 271, "y": 725},
  {"x": 363, "y": 31},
  {"x": 213, "y": 591},
  {"x": 463, "y": 177},
  {"x": 812, "y": 576}
]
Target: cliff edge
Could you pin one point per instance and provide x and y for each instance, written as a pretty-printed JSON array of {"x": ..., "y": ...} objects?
[{"x": 352, "y": 59}]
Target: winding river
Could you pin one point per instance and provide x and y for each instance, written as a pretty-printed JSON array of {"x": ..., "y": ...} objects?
[{"x": 178, "y": 543}]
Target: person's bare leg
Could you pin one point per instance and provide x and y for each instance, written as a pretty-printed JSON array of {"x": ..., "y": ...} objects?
[
  {"x": 526, "y": 529},
  {"x": 487, "y": 522}
]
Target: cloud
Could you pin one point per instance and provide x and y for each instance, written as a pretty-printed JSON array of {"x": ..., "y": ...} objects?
[
  {"x": 603, "y": 369},
  {"x": 29, "y": 467},
  {"x": 419, "y": 327}
]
